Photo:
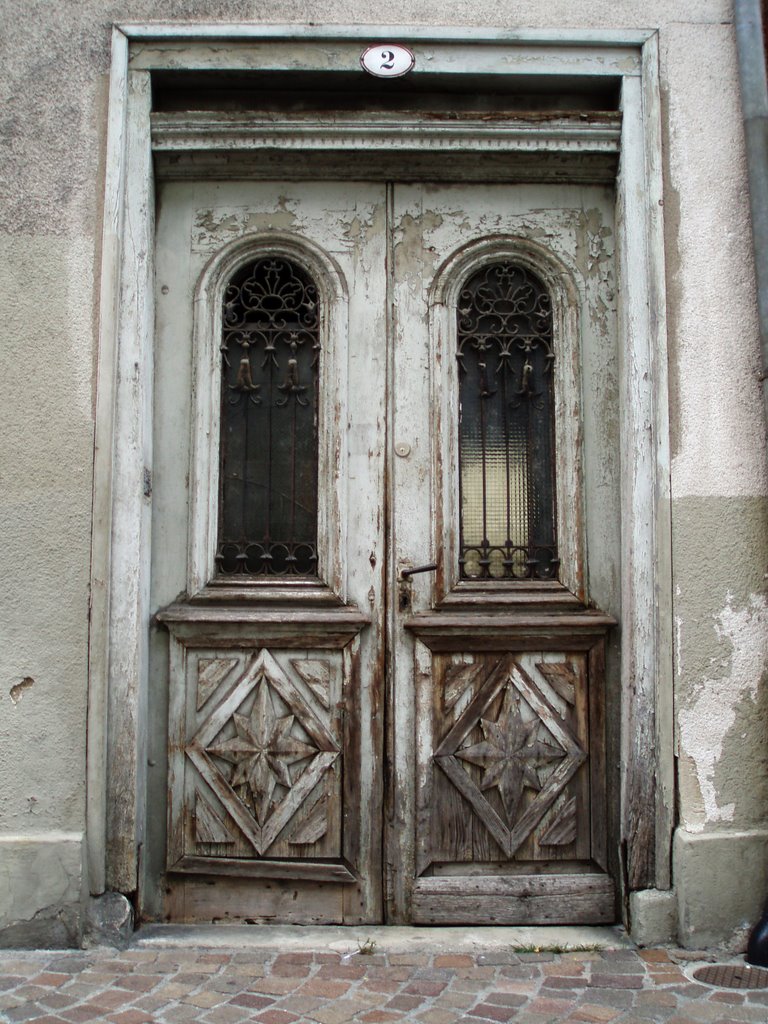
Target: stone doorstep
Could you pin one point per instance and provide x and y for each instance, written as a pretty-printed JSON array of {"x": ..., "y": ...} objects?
[{"x": 392, "y": 939}]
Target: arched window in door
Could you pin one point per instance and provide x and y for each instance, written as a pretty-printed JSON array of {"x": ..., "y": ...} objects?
[
  {"x": 506, "y": 429},
  {"x": 270, "y": 355}
]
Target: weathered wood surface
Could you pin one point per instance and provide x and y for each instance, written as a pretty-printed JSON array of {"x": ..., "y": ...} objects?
[
  {"x": 263, "y": 717},
  {"x": 188, "y": 613},
  {"x": 563, "y": 830},
  {"x": 515, "y": 899},
  {"x": 309, "y": 593},
  {"x": 228, "y": 900},
  {"x": 493, "y": 631},
  {"x": 543, "y": 596},
  {"x": 504, "y": 718},
  {"x": 587, "y": 623},
  {"x": 245, "y": 868},
  {"x": 660, "y": 639},
  {"x": 598, "y": 777},
  {"x": 131, "y": 506},
  {"x": 105, "y": 445},
  {"x": 404, "y": 165},
  {"x": 647, "y": 783}
]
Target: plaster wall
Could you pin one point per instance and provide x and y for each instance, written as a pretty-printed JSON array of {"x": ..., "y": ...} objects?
[
  {"x": 53, "y": 94},
  {"x": 719, "y": 512}
]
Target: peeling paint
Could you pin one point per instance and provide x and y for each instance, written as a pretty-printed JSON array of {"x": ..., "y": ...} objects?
[
  {"x": 366, "y": 226},
  {"x": 213, "y": 228},
  {"x": 712, "y": 713},
  {"x": 17, "y": 690},
  {"x": 411, "y": 255}
]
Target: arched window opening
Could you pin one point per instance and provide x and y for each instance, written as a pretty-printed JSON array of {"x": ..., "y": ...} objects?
[
  {"x": 506, "y": 426},
  {"x": 270, "y": 350}
]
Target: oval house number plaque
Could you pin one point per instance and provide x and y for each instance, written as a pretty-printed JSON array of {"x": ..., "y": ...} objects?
[{"x": 387, "y": 60}]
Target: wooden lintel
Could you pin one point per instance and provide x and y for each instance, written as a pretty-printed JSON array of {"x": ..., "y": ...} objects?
[
  {"x": 319, "y": 627},
  {"x": 178, "y": 131},
  {"x": 447, "y": 631}
]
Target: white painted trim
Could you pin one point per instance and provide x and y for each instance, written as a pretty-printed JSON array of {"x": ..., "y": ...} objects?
[
  {"x": 104, "y": 447},
  {"x": 500, "y": 58},
  {"x": 128, "y": 634},
  {"x": 233, "y": 31},
  {"x": 659, "y": 375},
  {"x": 179, "y": 132},
  {"x": 646, "y": 543}
]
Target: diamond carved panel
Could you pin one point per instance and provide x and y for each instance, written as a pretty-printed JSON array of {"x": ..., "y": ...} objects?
[
  {"x": 263, "y": 751},
  {"x": 525, "y": 745}
]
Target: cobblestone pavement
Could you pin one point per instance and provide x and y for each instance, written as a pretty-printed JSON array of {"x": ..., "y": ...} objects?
[{"x": 228, "y": 986}]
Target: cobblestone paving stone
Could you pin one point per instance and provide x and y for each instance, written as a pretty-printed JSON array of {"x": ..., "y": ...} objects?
[{"x": 201, "y": 986}]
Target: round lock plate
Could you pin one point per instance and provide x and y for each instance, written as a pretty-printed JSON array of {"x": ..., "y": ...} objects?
[{"x": 402, "y": 450}]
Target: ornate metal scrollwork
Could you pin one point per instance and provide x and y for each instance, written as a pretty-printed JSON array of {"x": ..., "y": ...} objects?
[
  {"x": 505, "y": 309},
  {"x": 506, "y": 433},
  {"x": 268, "y": 500}
]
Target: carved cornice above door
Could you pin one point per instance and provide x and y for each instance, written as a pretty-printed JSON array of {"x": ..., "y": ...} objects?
[
  {"x": 581, "y": 132},
  {"x": 578, "y": 147}
]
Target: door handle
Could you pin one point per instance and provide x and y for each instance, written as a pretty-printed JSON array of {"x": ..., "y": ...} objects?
[
  {"x": 404, "y": 580},
  {"x": 406, "y": 573}
]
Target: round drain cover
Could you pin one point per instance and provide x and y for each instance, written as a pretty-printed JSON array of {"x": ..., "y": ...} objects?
[{"x": 732, "y": 976}]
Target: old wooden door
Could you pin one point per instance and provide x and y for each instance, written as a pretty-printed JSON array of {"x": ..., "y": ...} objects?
[
  {"x": 384, "y": 692},
  {"x": 504, "y": 476}
]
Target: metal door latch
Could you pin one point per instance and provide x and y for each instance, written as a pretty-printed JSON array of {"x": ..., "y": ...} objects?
[
  {"x": 404, "y": 580},
  {"x": 405, "y": 573}
]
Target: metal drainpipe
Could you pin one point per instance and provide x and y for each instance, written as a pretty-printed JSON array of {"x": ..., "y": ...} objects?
[
  {"x": 754, "y": 102},
  {"x": 750, "y": 43}
]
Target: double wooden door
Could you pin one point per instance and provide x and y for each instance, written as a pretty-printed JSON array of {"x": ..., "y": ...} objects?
[{"x": 410, "y": 725}]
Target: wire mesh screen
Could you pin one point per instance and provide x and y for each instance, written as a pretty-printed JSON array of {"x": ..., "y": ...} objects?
[
  {"x": 269, "y": 444},
  {"x": 506, "y": 427}
]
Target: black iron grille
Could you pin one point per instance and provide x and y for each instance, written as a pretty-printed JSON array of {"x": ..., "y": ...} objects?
[
  {"x": 506, "y": 432},
  {"x": 269, "y": 404}
]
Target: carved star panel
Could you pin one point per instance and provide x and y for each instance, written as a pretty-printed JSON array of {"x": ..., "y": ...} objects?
[
  {"x": 521, "y": 742},
  {"x": 264, "y": 751}
]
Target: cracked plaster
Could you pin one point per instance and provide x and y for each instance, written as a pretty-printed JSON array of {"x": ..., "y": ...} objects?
[
  {"x": 712, "y": 711},
  {"x": 41, "y": 884}
]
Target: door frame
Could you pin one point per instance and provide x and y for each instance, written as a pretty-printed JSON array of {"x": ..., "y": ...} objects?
[{"x": 119, "y": 621}]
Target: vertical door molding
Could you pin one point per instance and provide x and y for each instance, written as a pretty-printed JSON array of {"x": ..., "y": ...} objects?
[
  {"x": 103, "y": 465},
  {"x": 122, "y": 491},
  {"x": 204, "y": 468},
  {"x": 647, "y": 681},
  {"x": 122, "y": 460}
]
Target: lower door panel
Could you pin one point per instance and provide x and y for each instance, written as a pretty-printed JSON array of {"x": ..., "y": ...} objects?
[
  {"x": 511, "y": 822},
  {"x": 265, "y": 805}
]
